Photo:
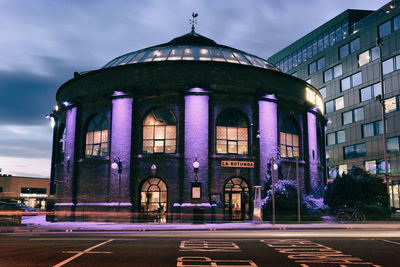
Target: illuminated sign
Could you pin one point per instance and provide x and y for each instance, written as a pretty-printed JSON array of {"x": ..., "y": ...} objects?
[
  {"x": 32, "y": 195},
  {"x": 237, "y": 164},
  {"x": 314, "y": 99}
]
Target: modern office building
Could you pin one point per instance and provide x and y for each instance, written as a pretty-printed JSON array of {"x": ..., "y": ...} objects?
[
  {"x": 341, "y": 59},
  {"x": 28, "y": 190},
  {"x": 186, "y": 127}
]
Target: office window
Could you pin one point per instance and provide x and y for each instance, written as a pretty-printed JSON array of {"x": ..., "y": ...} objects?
[
  {"x": 344, "y": 51},
  {"x": 392, "y": 104},
  {"x": 351, "y": 81},
  {"x": 334, "y": 105},
  {"x": 321, "y": 63},
  {"x": 376, "y": 166},
  {"x": 97, "y": 137},
  {"x": 372, "y": 129},
  {"x": 388, "y": 66},
  {"x": 368, "y": 56},
  {"x": 396, "y": 23},
  {"x": 392, "y": 144},
  {"x": 336, "y": 138},
  {"x": 316, "y": 65},
  {"x": 370, "y": 92},
  {"x": 355, "y": 151},
  {"x": 385, "y": 28},
  {"x": 349, "y": 48},
  {"x": 322, "y": 91},
  {"x": 342, "y": 169},
  {"x": 353, "y": 116},
  {"x": 333, "y": 73},
  {"x": 312, "y": 67},
  {"x": 354, "y": 45},
  {"x": 333, "y": 172},
  {"x": 159, "y": 132}
]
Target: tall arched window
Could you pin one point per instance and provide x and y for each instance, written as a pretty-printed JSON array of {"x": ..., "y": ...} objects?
[
  {"x": 289, "y": 140},
  {"x": 97, "y": 137},
  {"x": 153, "y": 196},
  {"x": 159, "y": 132},
  {"x": 61, "y": 144},
  {"x": 232, "y": 132}
]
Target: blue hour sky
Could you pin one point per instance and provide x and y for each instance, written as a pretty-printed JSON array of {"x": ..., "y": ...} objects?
[{"x": 43, "y": 42}]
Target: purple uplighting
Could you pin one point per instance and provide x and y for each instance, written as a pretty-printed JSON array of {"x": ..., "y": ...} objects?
[
  {"x": 196, "y": 139},
  {"x": 121, "y": 144},
  {"x": 268, "y": 133},
  {"x": 312, "y": 151}
]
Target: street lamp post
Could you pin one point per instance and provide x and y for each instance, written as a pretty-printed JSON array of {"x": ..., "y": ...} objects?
[
  {"x": 117, "y": 165},
  {"x": 298, "y": 189},
  {"x": 273, "y": 189},
  {"x": 381, "y": 99}
]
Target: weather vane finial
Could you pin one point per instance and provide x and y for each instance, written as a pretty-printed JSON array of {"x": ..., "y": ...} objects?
[{"x": 193, "y": 20}]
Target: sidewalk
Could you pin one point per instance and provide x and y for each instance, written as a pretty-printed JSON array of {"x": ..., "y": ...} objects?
[{"x": 39, "y": 224}]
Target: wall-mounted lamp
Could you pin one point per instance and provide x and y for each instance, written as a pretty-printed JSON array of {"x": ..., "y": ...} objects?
[
  {"x": 196, "y": 166},
  {"x": 117, "y": 165},
  {"x": 196, "y": 187},
  {"x": 67, "y": 104},
  {"x": 153, "y": 170},
  {"x": 52, "y": 120}
]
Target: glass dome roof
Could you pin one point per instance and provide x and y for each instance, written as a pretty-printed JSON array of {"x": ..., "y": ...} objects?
[{"x": 191, "y": 46}]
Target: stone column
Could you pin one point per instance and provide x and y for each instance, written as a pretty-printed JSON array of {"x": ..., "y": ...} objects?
[
  {"x": 312, "y": 153},
  {"x": 268, "y": 120},
  {"x": 121, "y": 134},
  {"x": 196, "y": 142},
  {"x": 69, "y": 156}
]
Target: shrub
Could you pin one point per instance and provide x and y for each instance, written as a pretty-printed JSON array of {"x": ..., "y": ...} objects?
[
  {"x": 358, "y": 188},
  {"x": 286, "y": 203}
]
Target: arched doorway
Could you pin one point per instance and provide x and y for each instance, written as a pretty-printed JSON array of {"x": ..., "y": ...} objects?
[
  {"x": 236, "y": 197},
  {"x": 153, "y": 200}
]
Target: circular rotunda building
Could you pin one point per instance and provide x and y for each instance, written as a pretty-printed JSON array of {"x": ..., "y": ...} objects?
[{"x": 182, "y": 131}]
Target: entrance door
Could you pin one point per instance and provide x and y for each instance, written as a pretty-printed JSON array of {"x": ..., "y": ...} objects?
[{"x": 236, "y": 200}]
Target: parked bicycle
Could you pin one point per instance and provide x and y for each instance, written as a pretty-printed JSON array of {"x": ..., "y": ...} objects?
[{"x": 350, "y": 215}]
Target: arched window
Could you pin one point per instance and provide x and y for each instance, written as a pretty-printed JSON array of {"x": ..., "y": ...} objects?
[
  {"x": 61, "y": 144},
  {"x": 159, "y": 132},
  {"x": 232, "y": 132},
  {"x": 289, "y": 137},
  {"x": 153, "y": 196},
  {"x": 97, "y": 137}
]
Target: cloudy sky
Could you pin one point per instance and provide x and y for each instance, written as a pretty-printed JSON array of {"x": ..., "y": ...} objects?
[{"x": 43, "y": 42}]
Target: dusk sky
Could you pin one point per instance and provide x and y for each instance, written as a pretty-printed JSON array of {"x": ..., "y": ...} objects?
[{"x": 43, "y": 42}]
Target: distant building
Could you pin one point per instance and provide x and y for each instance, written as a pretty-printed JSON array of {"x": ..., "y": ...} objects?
[
  {"x": 31, "y": 191},
  {"x": 341, "y": 59},
  {"x": 185, "y": 127}
]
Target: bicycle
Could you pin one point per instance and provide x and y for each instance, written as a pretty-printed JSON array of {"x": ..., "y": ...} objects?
[{"x": 350, "y": 215}]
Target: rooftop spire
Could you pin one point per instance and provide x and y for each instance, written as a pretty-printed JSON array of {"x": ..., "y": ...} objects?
[{"x": 193, "y": 20}]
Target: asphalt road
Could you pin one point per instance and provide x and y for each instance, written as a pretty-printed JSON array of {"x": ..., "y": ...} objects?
[{"x": 202, "y": 248}]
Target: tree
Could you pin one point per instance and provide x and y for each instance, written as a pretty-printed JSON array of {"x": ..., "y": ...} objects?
[{"x": 357, "y": 188}]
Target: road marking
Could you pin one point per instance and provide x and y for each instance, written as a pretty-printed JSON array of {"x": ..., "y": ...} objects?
[
  {"x": 208, "y": 245},
  {"x": 89, "y": 252},
  {"x": 388, "y": 241},
  {"x": 304, "y": 252},
  {"x": 78, "y": 239},
  {"x": 205, "y": 261},
  {"x": 80, "y": 253}
]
